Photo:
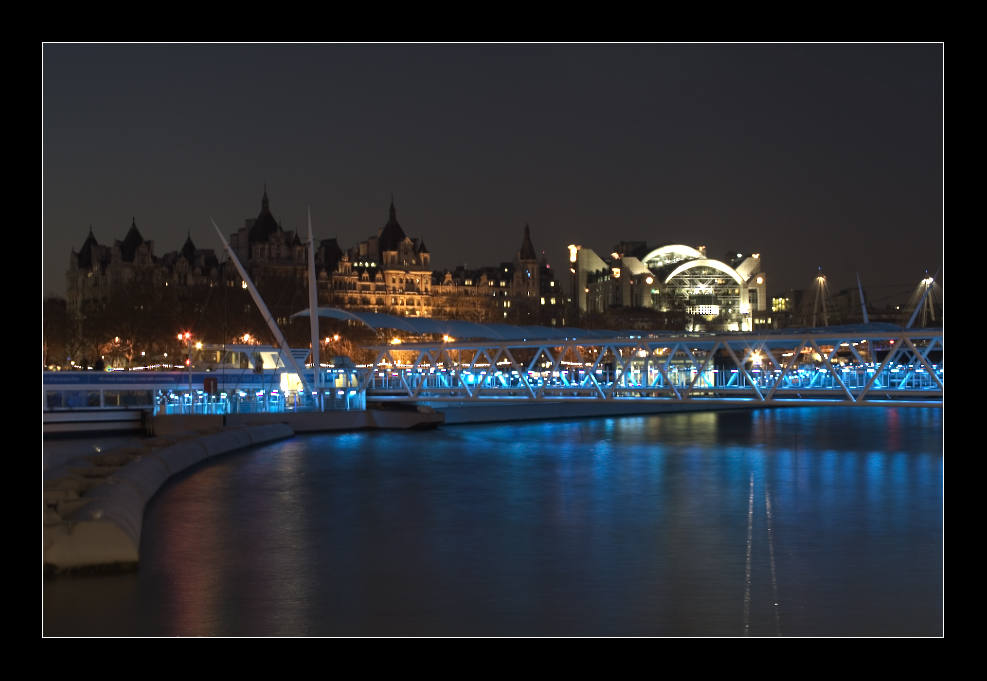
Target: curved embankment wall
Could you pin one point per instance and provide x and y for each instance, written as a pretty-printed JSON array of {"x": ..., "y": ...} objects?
[{"x": 94, "y": 504}]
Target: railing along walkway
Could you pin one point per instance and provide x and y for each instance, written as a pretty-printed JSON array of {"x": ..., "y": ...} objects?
[{"x": 885, "y": 368}]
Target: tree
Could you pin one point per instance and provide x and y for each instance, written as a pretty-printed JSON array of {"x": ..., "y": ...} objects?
[
  {"x": 141, "y": 315},
  {"x": 60, "y": 337}
]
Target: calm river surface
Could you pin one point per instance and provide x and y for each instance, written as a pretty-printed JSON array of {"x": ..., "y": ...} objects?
[{"x": 792, "y": 522}]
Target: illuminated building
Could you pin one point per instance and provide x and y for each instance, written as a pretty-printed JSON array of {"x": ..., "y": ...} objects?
[
  {"x": 523, "y": 291},
  {"x": 388, "y": 272},
  {"x": 268, "y": 250},
  {"x": 713, "y": 294}
]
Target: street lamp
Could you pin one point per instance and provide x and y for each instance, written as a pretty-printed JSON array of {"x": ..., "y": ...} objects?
[{"x": 188, "y": 363}]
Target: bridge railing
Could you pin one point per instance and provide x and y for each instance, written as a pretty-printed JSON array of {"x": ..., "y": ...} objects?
[
  {"x": 202, "y": 393},
  {"x": 883, "y": 368}
]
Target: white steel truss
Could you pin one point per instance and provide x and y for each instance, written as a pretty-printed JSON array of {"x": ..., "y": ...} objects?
[{"x": 887, "y": 368}]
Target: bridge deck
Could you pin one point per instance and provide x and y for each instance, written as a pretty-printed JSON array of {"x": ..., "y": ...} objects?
[{"x": 814, "y": 368}]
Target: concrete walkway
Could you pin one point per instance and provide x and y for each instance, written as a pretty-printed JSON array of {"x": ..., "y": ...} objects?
[{"x": 94, "y": 504}]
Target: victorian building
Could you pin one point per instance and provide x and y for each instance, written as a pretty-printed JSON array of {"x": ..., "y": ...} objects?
[
  {"x": 268, "y": 251},
  {"x": 96, "y": 273},
  {"x": 523, "y": 291},
  {"x": 388, "y": 272}
]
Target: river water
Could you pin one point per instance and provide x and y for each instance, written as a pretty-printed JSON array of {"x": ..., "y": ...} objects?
[{"x": 792, "y": 522}]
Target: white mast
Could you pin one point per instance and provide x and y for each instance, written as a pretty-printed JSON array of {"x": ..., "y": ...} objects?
[
  {"x": 313, "y": 305},
  {"x": 863, "y": 306},
  {"x": 278, "y": 336}
]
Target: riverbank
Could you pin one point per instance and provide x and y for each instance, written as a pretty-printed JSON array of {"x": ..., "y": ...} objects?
[
  {"x": 94, "y": 503},
  {"x": 137, "y": 422}
]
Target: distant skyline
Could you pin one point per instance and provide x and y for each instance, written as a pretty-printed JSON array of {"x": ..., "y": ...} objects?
[{"x": 813, "y": 155}]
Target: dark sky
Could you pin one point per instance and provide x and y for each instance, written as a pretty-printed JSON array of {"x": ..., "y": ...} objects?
[{"x": 812, "y": 155}]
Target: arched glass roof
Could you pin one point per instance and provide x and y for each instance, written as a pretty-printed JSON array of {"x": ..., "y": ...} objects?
[
  {"x": 672, "y": 253},
  {"x": 715, "y": 264}
]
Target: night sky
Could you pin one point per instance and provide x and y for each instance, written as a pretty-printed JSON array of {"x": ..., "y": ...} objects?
[{"x": 814, "y": 156}]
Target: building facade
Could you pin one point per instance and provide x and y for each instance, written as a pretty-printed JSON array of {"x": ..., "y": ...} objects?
[
  {"x": 712, "y": 294},
  {"x": 388, "y": 272},
  {"x": 96, "y": 272}
]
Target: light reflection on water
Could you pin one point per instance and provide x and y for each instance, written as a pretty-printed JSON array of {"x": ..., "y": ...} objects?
[{"x": 629, "y": 526}]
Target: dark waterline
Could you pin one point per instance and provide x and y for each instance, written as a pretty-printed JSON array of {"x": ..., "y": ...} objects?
[{"x": 817, "y": 521}]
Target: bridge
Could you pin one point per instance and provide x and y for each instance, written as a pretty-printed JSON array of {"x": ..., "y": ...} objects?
[
  {"x": 813, "y": 367},
  {"x": 836, "y": 366}
]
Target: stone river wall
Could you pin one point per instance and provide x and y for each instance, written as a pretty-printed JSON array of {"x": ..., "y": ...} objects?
[{"x": 94, "y": 504}]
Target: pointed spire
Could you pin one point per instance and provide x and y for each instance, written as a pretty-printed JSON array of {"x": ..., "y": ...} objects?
[
  {"x": 188, "y": 249},
  {"x": 527, "y": 251},
  {"x": 391, "y": 235},
  {"x": 85, "y": 253},
  {"x": 131, "y": 241},
  {"x": 265, "y": 224}
]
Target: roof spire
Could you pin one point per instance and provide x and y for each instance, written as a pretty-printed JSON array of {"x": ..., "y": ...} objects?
[
  {"x": 527, "y": 251},
  {"x": 264, "y": 201},
  {"x": 393, "y": 212}
]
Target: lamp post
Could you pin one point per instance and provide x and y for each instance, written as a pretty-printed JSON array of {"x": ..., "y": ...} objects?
[
  {"x": 573, "y": 265},
  {"x": 188, "y": 364}
]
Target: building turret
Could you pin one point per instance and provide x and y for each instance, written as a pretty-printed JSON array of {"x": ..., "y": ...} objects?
[
  {"x": 527, "y": 251},
  {"x": 188, "y": 250},
  {"x": 265, "y": 225},
  {"x": 391, "y": 235}
]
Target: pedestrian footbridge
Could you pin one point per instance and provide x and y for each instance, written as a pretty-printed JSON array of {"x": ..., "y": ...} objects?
[{"x": 869, "y": 365}]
